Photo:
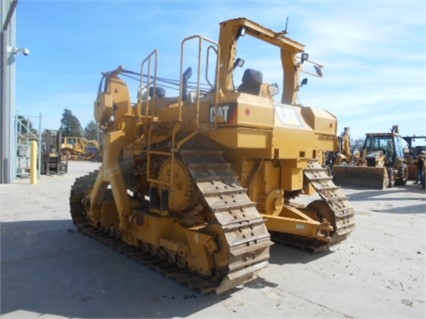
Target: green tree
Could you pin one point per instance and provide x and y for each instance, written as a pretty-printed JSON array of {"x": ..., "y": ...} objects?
[
  {"x": 357, "y": 144},
  {"x": 92, "y": 132},
  {"x": 70, "y": 125}
]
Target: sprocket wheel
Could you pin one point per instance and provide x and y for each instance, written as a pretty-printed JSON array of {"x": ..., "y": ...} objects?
[
  {"x": 273, "y": 202},
  {"x": 183, "y": 193}
]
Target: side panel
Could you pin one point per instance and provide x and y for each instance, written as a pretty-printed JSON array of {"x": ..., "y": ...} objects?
[
  {"x": 303, "y": 132},
  {"x": 321, "y": 121},
  {"x": 292, "y": 136},
  {"x": 292, "y": 174},
  {"x": 242, "y": 138},
  {"x": 324, "y": 125},
  {"x": 240, "y": 109}
]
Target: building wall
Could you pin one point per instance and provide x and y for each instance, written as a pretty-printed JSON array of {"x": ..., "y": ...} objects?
[{"x": 7, "y": 85}]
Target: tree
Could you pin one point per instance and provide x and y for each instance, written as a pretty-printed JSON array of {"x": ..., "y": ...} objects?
[
  {"x": 92, "y": 132},
  {"x": 357, "y": 144},
  {"x": 70, "y": 125}
]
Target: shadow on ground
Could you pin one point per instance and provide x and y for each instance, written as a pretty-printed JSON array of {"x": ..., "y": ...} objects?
[
  {"x": 49, "y": 268},
  {"x": 281, "y": 254},
  {"x": 393, "y": 200}
]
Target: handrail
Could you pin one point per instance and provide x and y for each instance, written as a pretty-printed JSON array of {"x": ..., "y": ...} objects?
[
  {"x": 213, "y": 46},
  {"x": 209, "y": 49},
  {"x": 147, "y": 81}
]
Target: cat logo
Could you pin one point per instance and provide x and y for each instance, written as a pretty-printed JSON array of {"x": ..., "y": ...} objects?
[{"x": 224, "y": 113}]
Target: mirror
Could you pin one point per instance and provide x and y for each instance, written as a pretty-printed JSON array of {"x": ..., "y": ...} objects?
[
  {"x": 187, "y": 74},
  {"x": 239, "y": 63},
  {"x": 318, "y": 70},
  {"x": 273, "y": 89}
]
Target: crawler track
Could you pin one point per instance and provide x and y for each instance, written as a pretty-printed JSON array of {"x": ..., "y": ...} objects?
[
  {"x": 183, "y": 276},
  {"x": 244, "y": 231},
  {"x": 243, "y": 226},
  {"x": 334, "y": 198}
]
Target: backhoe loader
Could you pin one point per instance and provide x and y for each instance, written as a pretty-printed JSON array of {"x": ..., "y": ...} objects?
[
  {"x": 382, "y": 163},
  {"x": 343, "y": 155}
]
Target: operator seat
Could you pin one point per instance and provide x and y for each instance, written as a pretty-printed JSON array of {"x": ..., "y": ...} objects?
[
  {"x": 252, "y": 80},
  {"x": 159, "y": 92}
]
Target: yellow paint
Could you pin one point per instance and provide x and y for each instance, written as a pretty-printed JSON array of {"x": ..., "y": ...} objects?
[{"x": 33, "y": 162}]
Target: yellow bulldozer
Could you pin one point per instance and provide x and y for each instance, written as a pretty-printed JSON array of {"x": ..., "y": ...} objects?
[
  {"x": 80, "y": 148},
  {"x": 196, "y": 183},
  {"x": 381, "y": 163}
]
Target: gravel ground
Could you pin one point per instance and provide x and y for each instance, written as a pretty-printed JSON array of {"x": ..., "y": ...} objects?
[{"x": 49, "y": 270}]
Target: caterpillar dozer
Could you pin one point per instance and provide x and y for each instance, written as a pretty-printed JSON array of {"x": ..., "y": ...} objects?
[
  {"x": 381, "y": 164},
  {"x": 196, "y": 182},
  {"x": 79, "y": 148}
]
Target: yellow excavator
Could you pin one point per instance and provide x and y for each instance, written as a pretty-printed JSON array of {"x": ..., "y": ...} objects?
[
  {"x": 381, "y": 164},
  {"x": 413, "y": 156},
  {"x": 196, "y": 183},
  {"x": 343, "y": 155}
]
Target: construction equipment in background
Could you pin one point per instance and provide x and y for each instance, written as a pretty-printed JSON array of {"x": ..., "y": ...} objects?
[
  {"x": 52, "y": 161},
  {"x": 193, "y": 182},
  {"x": 423, "y": 175},
  {"x": 79, "y": 148},
  {"x": 413, "y": 156},
  {"x": 382, "y": 163},
  {"x": 344, "y": 155}
]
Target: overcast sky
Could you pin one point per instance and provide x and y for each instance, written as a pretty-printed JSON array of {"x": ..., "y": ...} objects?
[{"x": 373, "y": 53}]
